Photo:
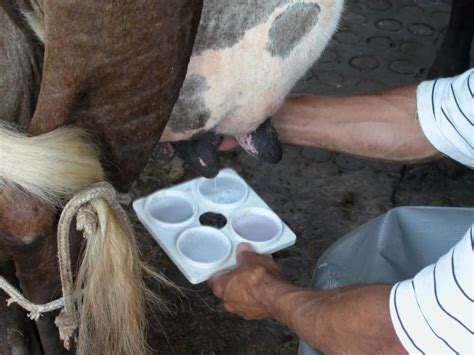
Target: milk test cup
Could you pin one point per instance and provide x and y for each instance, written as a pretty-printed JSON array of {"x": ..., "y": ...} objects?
[
  {"x": 171, "y": 209},
  {"x": 203, "y": 247},
  {"x": 256, "y": 226},
  {"x": 224, "y": 192}
]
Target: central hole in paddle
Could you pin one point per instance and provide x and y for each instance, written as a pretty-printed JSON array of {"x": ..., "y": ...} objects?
[{"x": 212, "y": 219}]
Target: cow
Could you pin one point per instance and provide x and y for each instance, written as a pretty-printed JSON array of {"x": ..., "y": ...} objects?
[
  {"x": 109, "y": 72},
  {"x": 115, "y": 69},
  {"x": 247, "y": 56}
]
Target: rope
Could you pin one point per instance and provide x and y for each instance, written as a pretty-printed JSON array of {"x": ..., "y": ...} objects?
[
  {"x": 86, "y": 220},
  {"x": 35, "y": 310},
  {"x": 68, "y": 319}
]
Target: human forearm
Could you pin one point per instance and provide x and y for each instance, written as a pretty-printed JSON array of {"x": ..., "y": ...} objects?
[
  {"x": 380, "y": 125},
  {"x": 351, "y": 319}
]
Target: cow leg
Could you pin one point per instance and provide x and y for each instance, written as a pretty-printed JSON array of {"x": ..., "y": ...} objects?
[
  {"x": 41, "y": 286},
  {"x": 453, "y": 55},
  {"x": 18, "y": 334},
  {"x": 19, "y": 82},
  {"x": 28, "y": 234},
  {"x": 19, "y": 73}
]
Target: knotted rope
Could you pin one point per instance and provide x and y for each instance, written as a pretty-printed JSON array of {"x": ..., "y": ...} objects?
[
  {"x": 86, "y": 221},
  {"x": 68, "y": 320},
  {"x": 35, "y": 310}
]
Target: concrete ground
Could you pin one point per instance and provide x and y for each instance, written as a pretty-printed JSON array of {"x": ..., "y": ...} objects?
[{"x": 319, "y": 194}]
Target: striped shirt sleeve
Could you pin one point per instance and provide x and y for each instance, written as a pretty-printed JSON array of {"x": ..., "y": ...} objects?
[
  {"x": 434, "y": 311},
  {"x": 446, "y": 112}
]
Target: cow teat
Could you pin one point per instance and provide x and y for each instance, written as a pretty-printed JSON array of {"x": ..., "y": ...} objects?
[{"x": 262, "y": 144}]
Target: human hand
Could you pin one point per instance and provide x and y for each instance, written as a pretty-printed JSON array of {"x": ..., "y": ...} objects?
[{"x": 243, "y": 290}]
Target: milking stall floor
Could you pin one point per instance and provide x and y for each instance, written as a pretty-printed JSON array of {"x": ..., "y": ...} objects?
[{"x": 319, "y": 194}]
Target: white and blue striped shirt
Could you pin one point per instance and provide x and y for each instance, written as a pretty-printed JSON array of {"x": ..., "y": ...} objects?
[{"x": 434, "y": 311}]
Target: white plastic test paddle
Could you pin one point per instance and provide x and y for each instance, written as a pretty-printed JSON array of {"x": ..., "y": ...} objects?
[{"x": 172, "y": 216}]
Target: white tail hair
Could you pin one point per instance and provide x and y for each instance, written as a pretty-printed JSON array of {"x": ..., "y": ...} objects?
[
  {"x": 55, "y": 166},
  {"x": 114, "y": 294}
]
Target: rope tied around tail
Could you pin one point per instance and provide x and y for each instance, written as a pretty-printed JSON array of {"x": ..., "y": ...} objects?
[{"x": 87, "y": 222}]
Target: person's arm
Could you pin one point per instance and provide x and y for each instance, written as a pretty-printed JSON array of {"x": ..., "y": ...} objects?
[
  {"x": 379, "y": 125},
  {"x": 405, "y": 124},
  {"x": 353, "y": 319}
]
